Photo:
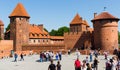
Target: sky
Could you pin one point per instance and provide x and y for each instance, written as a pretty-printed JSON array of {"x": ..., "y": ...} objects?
[{"x": 54, "y": 14}]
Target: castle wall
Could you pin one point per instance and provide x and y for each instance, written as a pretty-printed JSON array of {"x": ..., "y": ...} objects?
[
  {"x": 80, "y": 40},
  {"x": 5, "y": 47},
  {"x": 44, "y": 47}
]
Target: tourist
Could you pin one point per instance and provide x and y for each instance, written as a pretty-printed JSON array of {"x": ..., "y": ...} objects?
[
  {"x": 41, "y": 57},
  {"x": 77, "y": 64},
  {"x": 106, "y": 54},
  {"x": 108, "y": 65},
  {"x": 114, "y": 64},
  {"x": 89, "y": 66},
  {"x": 69, "y": 52},
  {"x": 95, "y": 63},
  {"x": 21, "y": 55},
  {"x": 47, "y": 56},
  {"x": 83, "y": 67},
  {"x": 77, "y": 53},
  {"x": 118, "y": 64},
  {"x": 87, "y": 60},
  {"x": 91, "y": 56},
  {"x": 60, "y": 55},
  {"x": 57, "y": 56},
  {"x": 52, "y": 66},
  {"x": 96, "y": 53},
  {"x": 15, "y": 56},
  {"x": 58, "y": 65}
]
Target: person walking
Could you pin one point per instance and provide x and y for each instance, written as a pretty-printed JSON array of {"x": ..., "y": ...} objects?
[
  {"x": 95, "y": 63},
  {"x": 77, "y": 64},
  {"x": 52, "y": 66},
  {"x": 58, "y": 65},
  {"x": 91, "y": 56},
  {"x": 21, "y": 55},
  {"x": 60, "y": 55},
  {"x": 15, "y": 56}
]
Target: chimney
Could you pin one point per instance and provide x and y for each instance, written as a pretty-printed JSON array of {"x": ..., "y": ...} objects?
[
  {"x": 95, "y": 14},
  {"x": 40, "y": 26}
]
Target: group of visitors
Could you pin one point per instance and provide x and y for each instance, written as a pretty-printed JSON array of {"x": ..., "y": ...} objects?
[
  {"x": 85, "y": 65},
  {"x": 16, "y": 57},
  {"x": 49, "y": 55},
  {"x": 52, "y": 66},
  {"x": 113, "y": 63}
]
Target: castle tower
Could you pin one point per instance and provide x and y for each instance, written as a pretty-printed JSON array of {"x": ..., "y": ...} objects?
[
  {"x": 19, "y": 27},
  {"x": 105, "y": 31},
  {"x": 1, "y": 30},
  {"x": 77, "y": 24}
]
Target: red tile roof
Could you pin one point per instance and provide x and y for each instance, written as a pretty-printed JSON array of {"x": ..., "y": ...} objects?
[
  {"x": 86, "y": 23},
  {"x": 1, "y": 23},
  {"x": 77, "y": 20},
  {"x": 104, "y": 15},
  {"x": 19, "y": 11},
  {"x": 36, "y": 32}
]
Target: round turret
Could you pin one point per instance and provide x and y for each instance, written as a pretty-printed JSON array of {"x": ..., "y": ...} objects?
[{"x": 105, "y": 31}]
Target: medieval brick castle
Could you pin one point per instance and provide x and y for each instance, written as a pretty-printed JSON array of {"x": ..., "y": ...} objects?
[{"x": 26, "y": 36}]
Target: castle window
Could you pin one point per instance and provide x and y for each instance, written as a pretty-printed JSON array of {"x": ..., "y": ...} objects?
[
  {"x": 47, "y": 40},
  {"x": 43, "y": 41},
  {"x": 42, "y": 34},
  {"x": 33, "y": 34},
  {"x": 34, "y": 41},
  {"x": 38, "y": 35},
  {"x": 20, "y": 18}
]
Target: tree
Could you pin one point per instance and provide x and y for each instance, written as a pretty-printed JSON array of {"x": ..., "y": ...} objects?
[
  {"x": 62, "y": 30},
  {"x": 59, "y": 32},
  {"x": 45, "y": 29},
  {"x": 8, "y": 27},
  {"x": 53, "y": 32}
]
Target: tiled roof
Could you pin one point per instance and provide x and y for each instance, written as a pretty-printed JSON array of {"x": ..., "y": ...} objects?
[
  {"x": 77, "y": 20},
  {"x": 56, "y": 37},
  {"x": 86, "y": 23},
  {"x": 1, "y": 23},
  {"x": 36, "y": 32},
  {"x": 19, "y": 11},
  {"x": 104, "y": 15}
]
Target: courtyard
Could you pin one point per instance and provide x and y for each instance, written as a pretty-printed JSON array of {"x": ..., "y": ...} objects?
[{"x": 31, "y": 63}]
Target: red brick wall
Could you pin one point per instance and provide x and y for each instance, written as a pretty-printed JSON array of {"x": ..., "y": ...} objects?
[
  {"x": 106, "y": 34},
  {"x": 5, "y": 47},
  {"x": 19, "y": 32},
  {"x": 77, "y": 40},
  {"x": 44, "y": 47}
]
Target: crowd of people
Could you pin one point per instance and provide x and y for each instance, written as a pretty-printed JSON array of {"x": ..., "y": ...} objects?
[
  {"x": 87, "y": 64},
  {"x": 49, "y": 55}
]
